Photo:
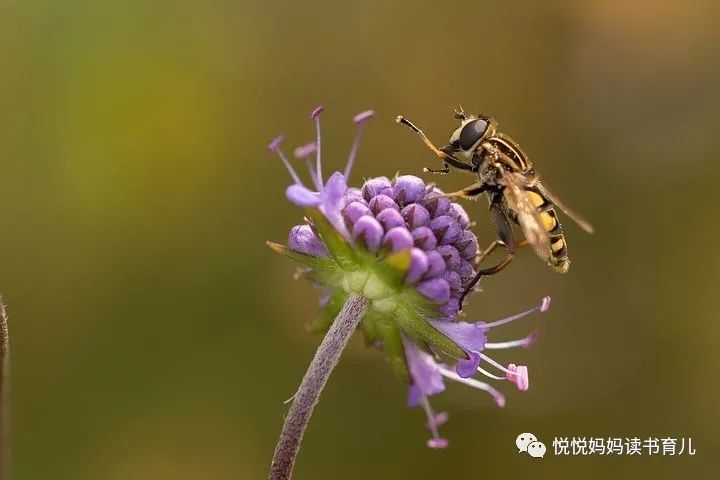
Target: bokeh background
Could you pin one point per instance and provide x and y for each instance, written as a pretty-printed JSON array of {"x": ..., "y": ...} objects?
[{"x": 155, "y": 337}]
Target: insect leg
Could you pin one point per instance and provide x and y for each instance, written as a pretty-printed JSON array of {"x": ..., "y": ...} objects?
[
  {"x": 481, "y": 256},
  {"x": 442, "y": 171},
  {"x": 447, "y": 158},
  {"x": 507, "y": 238},
  {"x": 469, "y": 192}
]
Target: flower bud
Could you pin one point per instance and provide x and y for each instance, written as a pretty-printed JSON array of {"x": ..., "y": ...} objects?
[
  {"x": 390, "y": 218},
  {"x": 424, "y": 238},
  {"x": 369, "y": 232},
  {"x": 446, "y": 229},
  {"x": 418, "y": 265},
  {"x": 302, "y": 239},
  {"x": 381, "y": 202},
  {"x": 397, "y": 239},
  {"x": 372, "y": 187},
  {"x": 416, "y": 215},
  {"x": 408, "y": 189}
]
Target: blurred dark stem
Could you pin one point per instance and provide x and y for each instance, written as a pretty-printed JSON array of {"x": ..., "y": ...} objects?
[
  {"x": 4, "y": 390},
  {"x": 307, "y": 396}
]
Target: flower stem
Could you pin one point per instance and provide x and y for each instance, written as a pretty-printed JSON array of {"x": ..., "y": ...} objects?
[
  {"x": 4, "y": 391},
  {"x": 307, "y": 396}
]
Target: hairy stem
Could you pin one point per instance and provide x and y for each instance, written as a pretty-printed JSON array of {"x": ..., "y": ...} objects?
[
  {"x": 307, "y": 396},
  {"x": 4, "y": 391}
]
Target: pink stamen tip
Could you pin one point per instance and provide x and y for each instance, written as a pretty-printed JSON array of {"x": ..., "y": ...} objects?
[
  {"x": 364, "y": 116},
  {"x": 317, "y": 112},
  {"x": 306, "y": 150},
  {"x": 532, "y": 338},
  {"x": 275, "y": 143},
  {"x": 438, "y": 420},
  {"x": 437, "y": 443},
  {"x": 545, "y": 304},
  {"x": 499, "y": 399},
  {"x": 519, "y": 376}
]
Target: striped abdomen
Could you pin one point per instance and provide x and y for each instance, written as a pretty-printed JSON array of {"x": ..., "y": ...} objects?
[{"x": 559, "y": 260}]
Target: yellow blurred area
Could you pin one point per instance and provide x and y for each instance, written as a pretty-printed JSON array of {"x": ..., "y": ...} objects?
[{"x": 155, "y": 337}]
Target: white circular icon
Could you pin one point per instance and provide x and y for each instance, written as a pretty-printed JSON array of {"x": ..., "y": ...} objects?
[
  {"x": 536, "y": 449},
  {"x": 523, "y": 440}
]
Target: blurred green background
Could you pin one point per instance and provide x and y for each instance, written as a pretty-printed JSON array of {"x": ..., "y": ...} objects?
[{"x": 155, "y": 337}]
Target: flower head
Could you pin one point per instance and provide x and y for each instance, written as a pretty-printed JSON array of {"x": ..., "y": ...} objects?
[{"x": 408, "y": 249}]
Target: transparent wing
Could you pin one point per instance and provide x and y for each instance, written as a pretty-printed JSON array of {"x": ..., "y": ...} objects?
[
  {"x": 527, "y": 215},
  {"x": 547, "y": 193}
]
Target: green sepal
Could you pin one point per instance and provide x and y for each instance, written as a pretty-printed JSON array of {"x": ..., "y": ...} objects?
[
  {"x": 392, "y": 345},
  {"x": 417, "y": 327},
  {"x": 326, "y": 316},
  {"x": 424, "y": 307},
  {"x": 319, "y": 264},
  {"x": 336, "y": 244}
]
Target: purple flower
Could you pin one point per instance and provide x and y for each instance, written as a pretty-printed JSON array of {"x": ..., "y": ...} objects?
[{"x": 410, "y": 251}]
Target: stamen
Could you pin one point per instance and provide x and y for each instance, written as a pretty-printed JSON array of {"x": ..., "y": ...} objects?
[
  {"x": 438, "y": 420},
  {"x": 304, "y": 152},
  {"x": 436, "y": 441},
  {"x": 471, "y": 382},
  {"x": 315, "y": 115},
  {"x": 318, "y": 110},
  {"x": 523, "y": 342},
  {"x": 543, "y": 307},
  {"x": 275, "y": 142},
  {"x": 496, "y": 364},
  {"x": 519, "y": 377},
  {"x": 490, "y": 375},
  {"x": 545, "y": 304},
  {"x": 274, "y": 147},
  {"x": 359, "y": 120}
]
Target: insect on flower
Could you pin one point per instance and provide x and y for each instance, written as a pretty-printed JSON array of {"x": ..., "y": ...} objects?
[
  {"x": 513, "y": 187},
  {"x": 408, "y": 250}
]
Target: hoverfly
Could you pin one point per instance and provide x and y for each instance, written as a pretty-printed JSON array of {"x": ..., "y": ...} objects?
[{"x": 514, "y": 191}]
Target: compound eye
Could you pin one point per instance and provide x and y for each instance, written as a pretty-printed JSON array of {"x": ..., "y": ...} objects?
[{"x": 472, "y": 132}]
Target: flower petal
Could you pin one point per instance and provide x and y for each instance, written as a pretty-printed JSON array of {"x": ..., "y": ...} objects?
[
  {"x": 424, "y": 372},
  {"x": 468, "y": 367},
  {"x": 470, "y": 336},
  {"x": 302, "y": 196},
  {"x": 335, "y": 189}
]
